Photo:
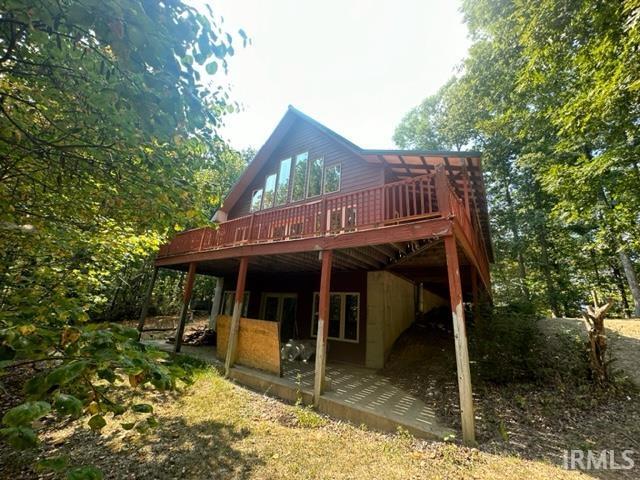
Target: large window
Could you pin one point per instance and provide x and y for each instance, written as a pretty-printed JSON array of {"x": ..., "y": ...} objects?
[
  {"x": 315, "y": 178},
  {"x": 282, "y": 192},
  {"x": 344, "y": 315},
  {"x": 269, "y": 191},
  {"x": 229, "y": 299},
  {"x": 256, "y": 200},
  {"x": 299, "y": 177},
  {"x": 332, "y": 178}
]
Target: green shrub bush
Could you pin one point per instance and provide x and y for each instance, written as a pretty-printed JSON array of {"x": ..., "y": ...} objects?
[{"x": 506, "y": 344}]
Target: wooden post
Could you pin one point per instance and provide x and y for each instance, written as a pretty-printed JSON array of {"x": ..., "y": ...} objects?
[
  {"x": 323, "y": 326},
  {"x": 249, "y": 235},
  {"x": 145, "y": 302},
  {"x": 460, "y": 337},
  {"x": 232, "y": 343},
  {"x": 324, "y": 215},
  {"x": 204, "y": 231},
  {"x": 186, "y": 298},
  {"x": 465, "y": 176},
  {"x": 442, "y": 191},
  {"x": 216, "y": 302}
]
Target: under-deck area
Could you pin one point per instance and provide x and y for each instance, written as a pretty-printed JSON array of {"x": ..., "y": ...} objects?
[{"x": 354, "y": 394}]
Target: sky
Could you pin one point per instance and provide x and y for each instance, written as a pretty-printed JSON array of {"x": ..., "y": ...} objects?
[{"x": 357, "y": 66}]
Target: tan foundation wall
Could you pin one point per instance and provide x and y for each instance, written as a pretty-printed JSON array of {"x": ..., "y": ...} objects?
[
  {"x": 431, "y": 300},
  {"x": 390, "y": 311}
]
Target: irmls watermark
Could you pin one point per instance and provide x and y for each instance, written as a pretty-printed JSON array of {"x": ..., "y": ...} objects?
[{"x": 599, "y": 459}]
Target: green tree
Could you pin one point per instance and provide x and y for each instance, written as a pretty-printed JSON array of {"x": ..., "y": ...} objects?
[
  {"x": 549, "y": 93},
  {"x": 429, "y": 126},
  {"x": 108, "y": 118},
  {"x": 585, "y": 67}
]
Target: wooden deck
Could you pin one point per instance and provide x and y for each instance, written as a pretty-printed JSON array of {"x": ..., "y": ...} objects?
[
  {"x": 423, "y": 220},
  {"x": 417, "y": 208}
]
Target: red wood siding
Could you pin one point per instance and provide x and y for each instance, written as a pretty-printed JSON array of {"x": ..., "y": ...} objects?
[
  {"x": 304, "y": 285},
  {"x": 302, "y": 137}
]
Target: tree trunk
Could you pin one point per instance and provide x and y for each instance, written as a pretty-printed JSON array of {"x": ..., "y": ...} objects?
[
  {"x": 177, "y": 292},
  {"x": 627, "y": 265},
  {"x": 596, "y": 270},
  {"x": 545, "y": 264},
  {"x": 632, "y": 280},
  {"x": 617, "y": 275},
  {"x": 597, "y": 343},
  {"x": 522, "y": 271},
  {"x": 546, "y": 272}
]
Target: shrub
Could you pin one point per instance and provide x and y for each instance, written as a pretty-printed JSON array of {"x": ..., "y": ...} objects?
[{"x": 506, "y": 344}]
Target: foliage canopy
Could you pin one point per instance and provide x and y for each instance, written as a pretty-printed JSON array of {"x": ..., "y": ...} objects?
[
  {"x": 108, "y": 118},
  {"x": 550, "y": 94}
]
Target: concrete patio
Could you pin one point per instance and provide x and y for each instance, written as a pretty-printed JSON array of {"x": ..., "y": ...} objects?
[{"x": 355, "y": 394}]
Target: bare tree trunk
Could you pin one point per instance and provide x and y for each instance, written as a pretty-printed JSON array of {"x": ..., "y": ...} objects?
[
  {"x": 632, "y": 280},
  {"x": 177, "y": 291},
  {"x": 597, "y": 344}
]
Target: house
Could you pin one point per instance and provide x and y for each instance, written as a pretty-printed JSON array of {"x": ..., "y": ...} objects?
[{"x": 342, "y": 245}]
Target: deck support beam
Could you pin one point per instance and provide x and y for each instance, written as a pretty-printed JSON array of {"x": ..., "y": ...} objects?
[
  {"x": 186, "y": 299},
  {"x": 235, "y": 319},
  {"x": 323, "y": 326},
  {"x": 358, "y": 257},
  {"x": 146, "y": 301},
  {"x": 460, "y": 338},
  {"x": 386, "y": 251},
  {"x": 216, "y": 302}
]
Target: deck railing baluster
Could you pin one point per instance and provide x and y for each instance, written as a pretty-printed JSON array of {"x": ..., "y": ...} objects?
[
  {"x": 363, "y": 209},
  {"x": 415, "y": 200},
  {"x": 407, "y": 208},
  {"x": 393, "y": 202}
]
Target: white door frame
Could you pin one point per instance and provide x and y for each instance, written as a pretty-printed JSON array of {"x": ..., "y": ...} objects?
[{"x": 280, "y": 296}]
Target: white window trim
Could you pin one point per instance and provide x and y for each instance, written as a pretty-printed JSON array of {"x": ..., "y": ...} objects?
[
  {"x": 307, "y": 179},
  {"x": 251, "y": 209},
  {"x": 293, "y": 177},
  {"x": 324, "y": 176},
  {"x": 287, "y": 197},
  {"x": 245, "y": 305},
  {"x": 343, "y": 306},
  {"x": 321, "y": 178},
  {"x": 279, "y": 295},
  {"x": 264, "y": 191}
]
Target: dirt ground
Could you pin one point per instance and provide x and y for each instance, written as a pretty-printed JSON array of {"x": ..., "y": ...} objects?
[
  {"x": 623, "y": 337},
  {"x": 537, "y": 420},
  {"x": 163, "y": 327}
]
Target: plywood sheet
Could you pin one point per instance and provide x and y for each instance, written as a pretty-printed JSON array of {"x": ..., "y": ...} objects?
[{"x": 258, "y": 343}]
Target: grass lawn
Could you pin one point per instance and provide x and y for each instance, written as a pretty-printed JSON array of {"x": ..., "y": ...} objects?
[{"x": 215, "y": 429}]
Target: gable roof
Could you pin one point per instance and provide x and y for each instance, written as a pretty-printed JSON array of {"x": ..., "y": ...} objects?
[
  {"x": 262, "y": 156},
  {"x": 400, "y": 162}
]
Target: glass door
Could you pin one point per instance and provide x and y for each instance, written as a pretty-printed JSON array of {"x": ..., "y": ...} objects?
[{"x": 281, "y": 307}]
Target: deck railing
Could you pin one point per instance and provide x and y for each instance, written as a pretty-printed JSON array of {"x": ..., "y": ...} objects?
[{"x": 417, "y": 198}]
